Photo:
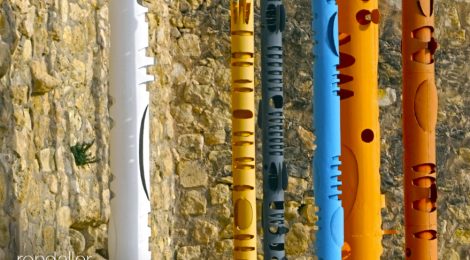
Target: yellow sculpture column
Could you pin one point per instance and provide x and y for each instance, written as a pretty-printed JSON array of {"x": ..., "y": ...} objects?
[
  {"x": 243, "y": 130},
  {"x": 360, "y": 132}
]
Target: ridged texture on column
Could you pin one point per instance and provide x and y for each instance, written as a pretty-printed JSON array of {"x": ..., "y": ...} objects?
[
  {"x": 271, "y": 120},
  {"x": 419, "y": 124},
  {"x": 243, "y": 130},
  {"x": 330, "y": 234},
  {"x": 360, "y": 132}
]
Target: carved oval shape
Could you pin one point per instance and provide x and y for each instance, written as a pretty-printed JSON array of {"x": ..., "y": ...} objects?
[
  {"x": 337, "y": 223},
  {"x": 426, "y": 7},
  {"x": 350, "y": 176},
  {"x": 425, "y": 106},
  {"x": 243, "y": 214},
  {"x": 333, "y": 33}
]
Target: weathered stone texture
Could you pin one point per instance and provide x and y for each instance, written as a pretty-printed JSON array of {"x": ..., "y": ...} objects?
[{"x": 53, "y": 94}]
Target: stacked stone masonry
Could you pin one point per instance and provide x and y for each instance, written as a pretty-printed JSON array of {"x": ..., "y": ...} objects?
[{"x": 53, "y": 95}]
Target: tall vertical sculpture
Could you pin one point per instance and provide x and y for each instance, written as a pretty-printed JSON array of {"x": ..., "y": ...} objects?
[
  {"x": 271, "y": 121},
  {"x": 330, "y": 236},
  {"x": 360, "y": 135},
  {"x": 129, "y": 230},
  {"x": 243, "y": 129},
  {"x": 419, "y": 125}
]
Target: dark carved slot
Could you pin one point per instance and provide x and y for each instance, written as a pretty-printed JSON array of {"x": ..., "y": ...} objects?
[
  {"x": 243, "y": 89},
  {"x": 276, "y": 101},
  {"x": 242, "y": 187},
  {"x": 277, "y": 247},
  {"x": 242, "y": 114},
  {"x": 426, "y": 54},
  {"x": 237, "y": 55},
  {"x": 271, "y": 17},
  {"x": 273, "y": 179},
  {"x": 430, "y": 168},
  {"x": 276, "y": 205},
  {"x": 344, "y": 93},
  {"x": 428, "y": 10},
  {"x": 247, "y": 12},
  {"x": 244, "y": 166},
  {"x": 282, "y": 18},
  {"x": 244, "y": 249},
  {"x": 278, "y": 81},
  {"x": 346, "y": 60},
  {"x": 275, "y": 64},
  {"x": 243, "y": 237},
  {"x": 343, "y": 79},
  {"x": 242, "y": 133},
  {"x": 344, "y": 38},
  {"x": 242, "y": 81},
  {"x": 242, "y": 143},
  {"x": 426, "y": 234},
  {"x": 284, "y": 176},
  {"x": 275, "y": 48},
  {"x": 242, "y": 64}
]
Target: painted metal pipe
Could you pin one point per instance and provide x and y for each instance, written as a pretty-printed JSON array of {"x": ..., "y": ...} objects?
[
  {"x": 129, "y": 232},
  {"x": 419, "y": 126},
  {"x": 360, "y": 132},
  {"x": 330, "y": 234},
  {"x": 271, "y": 121},
  {"x": 243, "y": 129}
]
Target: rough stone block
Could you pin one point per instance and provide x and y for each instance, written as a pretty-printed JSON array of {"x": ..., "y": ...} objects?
[
  {"x": 205, "y": 232},
  {"x": 189, "y": 253},
  {"x": 193, "y": 203},
  {"x": 220, "y": 194},
  {"x": 192, "y": 174}
]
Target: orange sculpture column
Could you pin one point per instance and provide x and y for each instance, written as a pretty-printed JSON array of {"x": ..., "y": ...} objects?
[
  {"x": 360, "y": 131},
  {"x": 419, "y": 123}
]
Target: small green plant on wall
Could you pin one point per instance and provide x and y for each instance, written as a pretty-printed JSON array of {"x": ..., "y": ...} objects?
[{"x": 82, "y": 157}]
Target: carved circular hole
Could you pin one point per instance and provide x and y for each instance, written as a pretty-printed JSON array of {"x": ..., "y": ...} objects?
[
  {"x": 273, "y": 229},
  {"x": 364, "y": 17},
  {"x": 367, "y": 135},
  {"x": 408, "y": 252}
]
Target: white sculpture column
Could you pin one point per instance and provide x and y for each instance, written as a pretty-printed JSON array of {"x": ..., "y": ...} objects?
[{"x": 129, "y": 231}]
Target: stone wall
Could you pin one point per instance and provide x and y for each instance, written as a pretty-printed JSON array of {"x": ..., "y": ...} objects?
[
  {"x": 53, "y": 95},
  {"x": 191, "y": 175}
]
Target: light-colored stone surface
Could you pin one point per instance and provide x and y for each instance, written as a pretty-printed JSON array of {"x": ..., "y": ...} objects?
[
  {"x": 193, "y": 203},
  {"x": 189, "y": 253},
  {"x": 192, "y": 174},
  {"x": 53, "y": 64},
  {"x": 205, "y": 232},
  {"x": 220, "y": 194},
  {"x": 298, "y": 240}
]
